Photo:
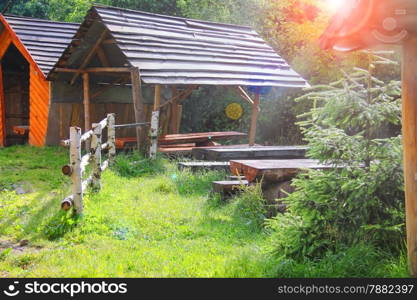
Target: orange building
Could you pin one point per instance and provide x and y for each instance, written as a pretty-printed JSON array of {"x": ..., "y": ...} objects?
[{"x": 29, "y": 48}]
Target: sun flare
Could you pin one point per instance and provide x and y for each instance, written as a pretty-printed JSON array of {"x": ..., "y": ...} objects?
[{"x": 335, "y": 5}]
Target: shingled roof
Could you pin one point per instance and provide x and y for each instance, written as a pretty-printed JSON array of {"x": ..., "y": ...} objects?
[
  {"x": 173, "y": 50},
  {"x": 45, "y": 40}
]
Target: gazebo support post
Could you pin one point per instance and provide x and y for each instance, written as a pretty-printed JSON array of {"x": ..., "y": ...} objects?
[
  {"x": 138, "y": 107},
  {"x": 155, "y": 122},
  {"x": 174, "y": 114},
  {"x": 254, "y": 119},
  {"x": 87, "y": 106},
  {"x": 409, "y": 122}
]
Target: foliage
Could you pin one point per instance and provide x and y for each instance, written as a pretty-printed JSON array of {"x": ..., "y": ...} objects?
[
  {"x": 205, "y": 111},
  {"x": 134, "y": 164},
  {"x": 242, "y": 12},
  {"x": 362, "y": 200},
  {"x": 250, "y": 206},
  {"x": 75, "y": 10},
  {"x": 155, "y": 224},
  {"x": 59, "y": 225},
  {"x": 360, "y": 261},
  {"x": 293, "y": 28},
  {"x": 147, "y": 226}
]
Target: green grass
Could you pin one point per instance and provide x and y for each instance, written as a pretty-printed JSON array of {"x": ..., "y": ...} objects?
[{"x": 147, "y": 221}]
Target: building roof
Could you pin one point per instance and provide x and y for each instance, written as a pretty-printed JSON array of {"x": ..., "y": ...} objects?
[
  {"x": 45, "y": 40},
  {"x": 173, "y": 50}
]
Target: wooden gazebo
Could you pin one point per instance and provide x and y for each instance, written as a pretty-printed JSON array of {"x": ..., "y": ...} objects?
[
  {"x": 365, "y": 23},
  {"x": 124, "y": 57}
]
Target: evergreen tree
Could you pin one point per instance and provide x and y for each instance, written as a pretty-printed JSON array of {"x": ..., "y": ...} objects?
[{"x": 353, "y": 125}]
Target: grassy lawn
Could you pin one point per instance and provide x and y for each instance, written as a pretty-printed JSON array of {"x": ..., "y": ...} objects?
[
  {"x": 163, "y": 225},
  {"x": 150, "y": 220}
]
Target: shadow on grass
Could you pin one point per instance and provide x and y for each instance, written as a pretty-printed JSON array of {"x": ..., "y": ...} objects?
[{"x": 60, "y": 224}]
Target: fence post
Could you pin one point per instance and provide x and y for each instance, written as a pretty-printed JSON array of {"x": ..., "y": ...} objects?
[
  {"x": 155, "y": 121},
  {"x": 111, "y": 137},
  {"x": 75, "y": 162},
  {"x": 154, "y": 134},
  {"x": 96, "y": 156}
]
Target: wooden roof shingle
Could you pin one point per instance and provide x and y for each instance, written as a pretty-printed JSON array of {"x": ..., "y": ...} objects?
[
  {"x": 45, "y": 40},
  {"x": 174, "y": 50}
]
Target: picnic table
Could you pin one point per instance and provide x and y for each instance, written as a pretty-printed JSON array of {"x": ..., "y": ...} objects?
[
  {"x": 273, "y": 171},
  {"x": 276, "y": 175},
  {"x": 226, "y": 153},
  {"x": 199, "y": 138},
  {"x": 185, "y": 142}
]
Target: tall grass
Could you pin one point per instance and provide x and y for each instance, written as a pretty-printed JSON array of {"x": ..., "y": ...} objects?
[{"x": 149, "y": 220}]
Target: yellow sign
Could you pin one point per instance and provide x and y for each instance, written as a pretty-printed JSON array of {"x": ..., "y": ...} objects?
[{"x": 234, "y": 111}]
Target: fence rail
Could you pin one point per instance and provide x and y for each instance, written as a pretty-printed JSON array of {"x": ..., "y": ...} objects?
[{"x": 76, "y": 169}]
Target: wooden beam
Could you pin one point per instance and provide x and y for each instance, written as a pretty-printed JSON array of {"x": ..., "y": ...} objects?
[
  {"x": 174, "y": 111},
  {"x": 109, "y": 41},
  {"x": 5, "y": 43},
  {"x": 90, "y": 55},
  {"x": 409, "y": 123},
  {"x": 179, "y": 118},
  {"x": 157, "y": 99},
  {"x": 242, "y": 93},
  {"x": 254, "y": 119},
  {"x": 87, "y": 105},
  {"x": 95, "y": 70},
  {"x": 180, "y": 96},
  {"x": 102, "y": 57},
  {"x": 138, "y": 107},
  {"x": 119, "y": 80}
]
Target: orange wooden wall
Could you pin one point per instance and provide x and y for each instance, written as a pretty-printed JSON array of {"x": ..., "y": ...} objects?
[
  {"x": 39, "y": 107},
  {"x": 38, "y": 91}
]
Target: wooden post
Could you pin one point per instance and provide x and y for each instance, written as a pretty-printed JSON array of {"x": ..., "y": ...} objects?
[
  {"x": 254, "y": 119},
  {"x": 179, "y": 117},
  {"x": 2, "y": 111},
  {"x": 96, "y": 156},
  {"x": 174, "y": 112},
  {"x": 409, "y": 123},
  {"x": 87, "y": 106},
  {"x": 155, "y": 122},
  {"x": 111, "y": 137},
  {"x": 76, "y": 175},
  {"x": 138, "y": 107}
]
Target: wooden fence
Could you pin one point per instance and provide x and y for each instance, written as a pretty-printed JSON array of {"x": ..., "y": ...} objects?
[{"x": 78, "y": 164}]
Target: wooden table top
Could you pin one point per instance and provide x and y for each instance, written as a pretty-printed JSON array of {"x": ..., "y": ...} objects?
[
  {"x": 249, "y": 152},
  {"x": 198, "y": 137},
  {"x": 274, "y": 170}
]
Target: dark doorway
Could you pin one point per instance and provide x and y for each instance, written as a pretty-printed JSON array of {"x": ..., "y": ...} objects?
[{"x": 16, "y": 96}]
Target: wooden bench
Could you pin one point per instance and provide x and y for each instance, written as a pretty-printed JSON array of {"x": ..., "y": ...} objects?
[
  {"x": 228, "y": 188},
  {"x": 21, "y": 129},
  {"x": 273, "y": 170},
  {"x": 226, "y": 153},
  {"x": 206, "y": 165},
  {"x": 183, "y": 143},
  {"x": 199, "y": 138},
  {"x": 276, "y": 175}
]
